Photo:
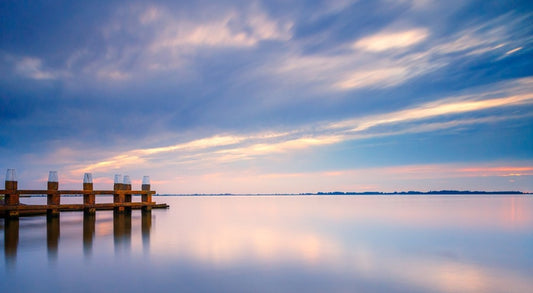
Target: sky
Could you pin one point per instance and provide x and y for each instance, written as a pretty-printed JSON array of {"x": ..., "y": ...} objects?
[{"x": 269, "y": 96}]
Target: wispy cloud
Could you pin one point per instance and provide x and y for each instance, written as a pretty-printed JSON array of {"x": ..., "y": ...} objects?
[
  {"x": 167, "y": 39},
  {"x": 513, "y": 51},
  {"x": 31, "y": 67},
  {"x": 392, "y": 57},
  {"x": 231, "y": 30},
  {"x": 384, "y": 41},
  {"x": 197, "y": 87},
  {"x": 417, "y": 119},
  {"x": 433, "y": 109},
  {"x": 385, "y": 77}
]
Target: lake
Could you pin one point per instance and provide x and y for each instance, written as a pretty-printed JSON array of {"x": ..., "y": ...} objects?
[{"x": 278, "y": 244}]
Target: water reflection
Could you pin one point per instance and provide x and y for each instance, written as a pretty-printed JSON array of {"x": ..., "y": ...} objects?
[
  {"x": 52, "y": 236},
  {"x": 146, "y": 226},
  {"x": 284, "y": 244},
  {"x": 122, "y": 231},
  {"x": 89, "y": 224},
  {"x": 11, "y": 240},
  {"x": 442, "y": 244},
  {"x": 68, "y": 226}
]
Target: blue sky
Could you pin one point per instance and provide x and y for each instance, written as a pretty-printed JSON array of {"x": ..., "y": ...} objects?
[{"x": 269, "y": 96}]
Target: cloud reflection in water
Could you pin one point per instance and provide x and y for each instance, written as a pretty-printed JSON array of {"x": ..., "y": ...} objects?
[{"x": 282, "y": 244}]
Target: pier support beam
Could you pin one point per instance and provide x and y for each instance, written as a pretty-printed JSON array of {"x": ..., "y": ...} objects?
[
  {"x": 127, "y": 186},
  {"x": 11, "y": 197},
  {"x": 118, "y": 198},
  {"x": 146, "y": 198},
  {"x": 89, "y": 200},
  {"x": 53, "y": 197}
]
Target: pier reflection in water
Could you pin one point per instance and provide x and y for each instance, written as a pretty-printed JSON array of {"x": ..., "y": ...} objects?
[
  {"x": 146, "y": 226},
  {"x": 52, "y": 236},
  {"x": 122, "y": 231},
  {"x": 11, "y": 240},
  {"x": 88, "y": 225}
]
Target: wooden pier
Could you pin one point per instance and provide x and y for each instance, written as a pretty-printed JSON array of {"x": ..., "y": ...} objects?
[{"x": 122, "y": 197}]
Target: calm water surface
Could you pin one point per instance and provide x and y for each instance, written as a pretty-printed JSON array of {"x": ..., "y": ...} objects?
[{"x": 278, "y": 244}]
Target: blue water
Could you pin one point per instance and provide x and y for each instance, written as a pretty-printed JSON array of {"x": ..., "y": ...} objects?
[{"x": 278, "y": 244}]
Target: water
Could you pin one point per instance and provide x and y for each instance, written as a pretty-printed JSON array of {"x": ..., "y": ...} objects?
[{"x": 279, "y": 244}]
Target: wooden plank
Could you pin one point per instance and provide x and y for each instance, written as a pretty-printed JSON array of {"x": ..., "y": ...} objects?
[
  {"x": 75, "y": 206},
  {"x": 41, "y": 209},
  {"x": 76, "y": 192}
]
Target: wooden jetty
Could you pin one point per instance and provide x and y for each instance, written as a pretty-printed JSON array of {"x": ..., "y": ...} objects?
[{"x": 122, "y": 197}]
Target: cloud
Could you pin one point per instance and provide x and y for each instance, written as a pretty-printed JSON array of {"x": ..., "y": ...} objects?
[
  {"x": 259, "y": 149},
  {"x": 203, "y": 143},
  {"x": 426, "y": 117},
  {"x": 231, "y": 30},
  {"x": 513, "y": 51},
  {"x": 423, "y": 177},
  {"x": 113, "y": 75},
  {"x": 31, "y": 67},
  {"x": 141, "y": 41},
  {"x": 439, "y": 108},
  {"x": 167, "y": 40},
  {"x": 281, "y": 233},
  {"x": 385, "y": 77},
  {"x": 384, "y": 41},
  {"x": 139, "y": 156},
  {"x": 196, "y": 84},
  {"x": 392, "y": 57}
]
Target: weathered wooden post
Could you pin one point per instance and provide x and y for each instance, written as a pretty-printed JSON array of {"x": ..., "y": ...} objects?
[
  {"x": 11, "y": 196},
  {"x": 146, "y": 198},
  {"x": 89, "y": 199},
  {"x": 127, "y": 186},
  {"x": 118, "y": 198},
  {"x": 53, "y": 197}
]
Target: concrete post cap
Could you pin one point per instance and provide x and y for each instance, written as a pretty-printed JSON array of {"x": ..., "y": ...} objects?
[
  {"x": 127, "y": 179},
  {"x": 146, "y": 180},
  {"x": 52, "y": 176},
  {"x": 11, "y": 175},
  {"x": 88, "y": 178}
]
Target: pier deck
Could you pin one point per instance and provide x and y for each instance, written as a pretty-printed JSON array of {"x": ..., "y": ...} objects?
[{"x": 32, "y": 210}]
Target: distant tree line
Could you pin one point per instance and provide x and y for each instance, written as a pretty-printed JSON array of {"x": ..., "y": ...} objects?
[{"x": 414, "y": 192}]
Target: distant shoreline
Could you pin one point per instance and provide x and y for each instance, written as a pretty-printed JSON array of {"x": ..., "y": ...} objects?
[{"x": 440, "y": 192}]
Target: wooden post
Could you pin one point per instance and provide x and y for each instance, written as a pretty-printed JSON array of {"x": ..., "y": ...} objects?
[
  {"x": 127, "y": 186},
  {"x": 118, "y": 198},
  {"x": 53, "y": 197},
  {"x": 89, "y": 200},
  {"x": 146, "y": 198},
  {"x": 11, "y": 196}
]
